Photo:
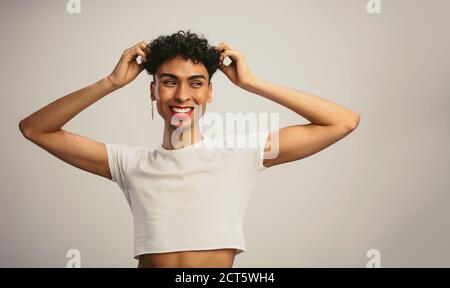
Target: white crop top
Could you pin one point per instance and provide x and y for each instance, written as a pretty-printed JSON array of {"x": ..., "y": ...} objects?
[{"x": 192, "y": 198}]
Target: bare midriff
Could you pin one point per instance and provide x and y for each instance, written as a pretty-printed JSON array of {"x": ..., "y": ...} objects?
[{"x": 218, "y": 258}]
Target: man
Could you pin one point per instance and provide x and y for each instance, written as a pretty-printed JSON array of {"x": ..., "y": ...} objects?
[{"x": 188, "y": 201}]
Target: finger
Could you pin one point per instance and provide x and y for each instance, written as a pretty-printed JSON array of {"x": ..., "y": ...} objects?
[
  {"x": 232, "y": 54},
  {"x": 133, "y": 54},
  {"x": 141, "y": 53},
  {"x": 219, "y": 48},
  {"x": 142, "y": 45},
  {"x": 146, "y": 49},
  {"x": 221, "y": 51},
  {"x": 227, "y": 51}
]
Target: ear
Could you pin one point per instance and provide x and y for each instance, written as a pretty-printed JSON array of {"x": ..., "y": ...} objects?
[
  {"x": 152, "y": 91},
  {"x": 210, "y": 93}
]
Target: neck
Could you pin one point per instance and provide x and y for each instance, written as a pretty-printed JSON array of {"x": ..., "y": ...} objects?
[{"x": 188, "y": 137}]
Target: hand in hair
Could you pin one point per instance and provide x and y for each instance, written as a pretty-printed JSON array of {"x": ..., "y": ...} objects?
[
  {"x": 128, "y": 68},
  {"x": 237, "y": 71}
]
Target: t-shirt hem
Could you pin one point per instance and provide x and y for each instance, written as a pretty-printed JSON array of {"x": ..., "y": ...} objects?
[{"x": 239, "y": 250}]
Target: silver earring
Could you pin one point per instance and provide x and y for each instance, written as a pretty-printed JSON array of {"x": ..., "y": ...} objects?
[{"x": 153, "y": 113}]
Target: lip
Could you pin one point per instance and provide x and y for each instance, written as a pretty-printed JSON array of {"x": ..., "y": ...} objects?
[
  {"x": 181, "y": 106},
  {"x": 181, "y": 115}
]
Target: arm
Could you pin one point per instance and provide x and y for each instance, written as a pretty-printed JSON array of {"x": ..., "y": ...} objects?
[
  {"x": 330, "y": 122},
  {"x": 44, "y": 127}
]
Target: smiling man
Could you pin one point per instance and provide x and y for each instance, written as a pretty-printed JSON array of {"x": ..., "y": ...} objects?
[
  {"x": 188, "y": 200},
  {"x": 181, "y": 90}
]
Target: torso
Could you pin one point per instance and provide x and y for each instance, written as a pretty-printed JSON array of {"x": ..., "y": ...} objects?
[{"x": 219, "y": 258}]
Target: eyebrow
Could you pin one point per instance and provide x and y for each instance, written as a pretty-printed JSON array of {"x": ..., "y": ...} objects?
[{"x": 175, "y": 77}]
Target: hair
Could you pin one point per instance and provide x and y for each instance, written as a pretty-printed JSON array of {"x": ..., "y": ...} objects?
[{"x": 188, "y": 45}]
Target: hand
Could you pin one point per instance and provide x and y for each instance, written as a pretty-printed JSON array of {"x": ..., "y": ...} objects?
[
  {"x": 127, "y": 69},
  {"x": 237, "y": 71}
]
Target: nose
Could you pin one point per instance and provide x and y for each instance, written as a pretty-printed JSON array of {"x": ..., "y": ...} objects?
[{"x": 183, "y": 93}]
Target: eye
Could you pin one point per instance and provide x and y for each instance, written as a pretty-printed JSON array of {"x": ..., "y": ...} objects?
[
  {"x": 169, "y": 82},
  {"x": 197, "y": 84}
]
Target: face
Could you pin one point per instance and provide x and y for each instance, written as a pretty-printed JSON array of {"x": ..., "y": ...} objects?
[{"x": 181, "y": 91}]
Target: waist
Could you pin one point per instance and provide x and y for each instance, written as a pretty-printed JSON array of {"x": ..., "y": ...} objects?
[{"x": 217, "y": 258}]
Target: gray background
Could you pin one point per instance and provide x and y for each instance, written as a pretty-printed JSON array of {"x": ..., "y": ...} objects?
[{"x": 385, "y": 186}]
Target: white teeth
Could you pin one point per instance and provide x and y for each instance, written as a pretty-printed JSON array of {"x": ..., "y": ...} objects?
[{"x": 181, "y": 110}]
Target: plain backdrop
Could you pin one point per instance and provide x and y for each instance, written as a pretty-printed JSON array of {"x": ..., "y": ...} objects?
[{"x": 384, "y": 187}]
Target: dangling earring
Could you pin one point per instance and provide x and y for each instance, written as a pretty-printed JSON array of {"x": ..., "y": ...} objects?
[{"x": 153, "y": 113}]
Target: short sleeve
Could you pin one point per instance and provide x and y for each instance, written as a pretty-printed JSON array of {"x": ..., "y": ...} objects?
[
  {"x": 118, "y": 155},
  {"x": 251, "y": 149}
]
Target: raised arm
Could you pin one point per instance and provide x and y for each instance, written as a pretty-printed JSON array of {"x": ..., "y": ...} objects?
[
  {"x": 330, "y": 122},
  {"x": 44, "y": 127}
]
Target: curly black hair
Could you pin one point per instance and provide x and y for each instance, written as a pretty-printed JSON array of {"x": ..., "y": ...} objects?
[{"x": 187, "y": 44}]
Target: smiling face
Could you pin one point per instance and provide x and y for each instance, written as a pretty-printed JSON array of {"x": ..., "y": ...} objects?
[{"x": 181, "y": 91}]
